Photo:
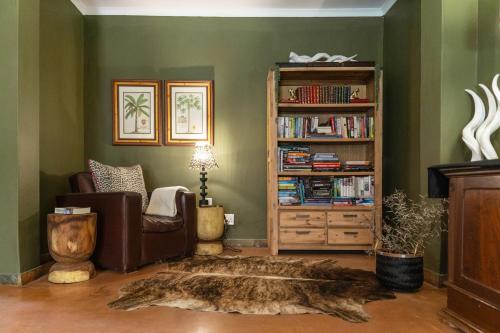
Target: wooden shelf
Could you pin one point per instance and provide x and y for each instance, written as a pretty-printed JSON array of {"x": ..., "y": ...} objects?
[
  {"x": 326, "y": 207},
  {"x": 292, "y": 76},
  {"x": 326, "y": 173},
  {"x": 325, "y": 140},
  {"x": 327, "y": 106}
]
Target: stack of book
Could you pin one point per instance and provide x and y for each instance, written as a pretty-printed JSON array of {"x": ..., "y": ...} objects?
[
  {"x": 288, "y": 191},
  {"x": 72, "y": 210},
  {"x": 325, "y": 162},
  {"x": 294, "y": 158},
  {"x": 358, "y": 166},
  {"x": 336, "y": 127},
  {"x": 315, "y": 191}
]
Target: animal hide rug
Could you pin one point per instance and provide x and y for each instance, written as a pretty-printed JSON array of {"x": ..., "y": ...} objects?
[{"x": 257, "y": 285}]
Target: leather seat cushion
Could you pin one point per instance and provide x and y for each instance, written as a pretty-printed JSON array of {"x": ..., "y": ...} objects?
[{"x": 156, "y": 223}]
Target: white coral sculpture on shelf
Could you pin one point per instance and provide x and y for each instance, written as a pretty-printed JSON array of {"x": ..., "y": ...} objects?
[
  {"x": 320, "y": 57},
  {"x": 477, "y": 133}
]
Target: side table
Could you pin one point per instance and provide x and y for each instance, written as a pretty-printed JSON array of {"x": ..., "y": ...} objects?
[
  {"x": 71, "y": 239},
  {"x": 210, "y": 227}
]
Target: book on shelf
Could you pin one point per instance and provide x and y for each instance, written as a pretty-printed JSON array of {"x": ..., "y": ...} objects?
[
  {"x": 324, "y": 94},
  {"x": 325, "y": 162},
  {"x": 287, "y": 191},
  {"x": 337, "y": 191},
  {"x": 72, "y": 210},
  {"x": 358, "y": 166},
  {"x": 342, "y": 127},
  {"x": 294, "y": 158}
]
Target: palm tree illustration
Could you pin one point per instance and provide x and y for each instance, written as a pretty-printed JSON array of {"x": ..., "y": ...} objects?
[
  {"x": 188, "y": 102},
  {"x": 134, "y": 108}
]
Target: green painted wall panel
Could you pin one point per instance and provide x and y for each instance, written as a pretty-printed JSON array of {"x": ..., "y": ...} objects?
[
  {"x": 9, "y": 248},
  {"x": 28, "y": 129},
  {"x": 61, "y": 102},
  {"x": 402, "y": 98},
  {"x": 489, "y": 47},
  {"x": 236, "y": 53},
  {"x": 459, "y": 47}
]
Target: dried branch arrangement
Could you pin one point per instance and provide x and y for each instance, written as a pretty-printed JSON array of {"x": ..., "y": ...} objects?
[{"x": 409, "y": 225}]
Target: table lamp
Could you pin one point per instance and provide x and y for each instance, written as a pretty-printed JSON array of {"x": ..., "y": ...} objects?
[{"x": 203, "y": 159}]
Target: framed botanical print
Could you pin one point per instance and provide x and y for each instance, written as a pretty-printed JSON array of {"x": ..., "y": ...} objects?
[
  {"x": 136, "y": 112},
  {"x": 189, "y": 112}
]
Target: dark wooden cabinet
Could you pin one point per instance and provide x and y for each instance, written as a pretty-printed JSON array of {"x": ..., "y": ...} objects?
[{"x": 474, "y": 248}]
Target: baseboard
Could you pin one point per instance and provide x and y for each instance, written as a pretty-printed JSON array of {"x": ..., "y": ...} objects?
[
  {"x": 10, "y": 279},
  {"x": 20, "y": 279},
  {"x": 434, "y": 278},
  {"x": 35, "y": 273},
  {"x": 246, "y": 242}
]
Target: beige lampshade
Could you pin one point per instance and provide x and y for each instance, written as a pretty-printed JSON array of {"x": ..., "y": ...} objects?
[{"x": 203, "y": 156}]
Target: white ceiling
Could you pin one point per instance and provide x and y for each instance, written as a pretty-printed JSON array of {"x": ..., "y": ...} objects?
[{"x": 236, "y": 8}]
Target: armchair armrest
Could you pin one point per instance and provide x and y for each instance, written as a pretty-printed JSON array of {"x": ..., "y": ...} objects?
[
  {"x": 186, "y": 206},
  {"x": 119, "y": 226}
]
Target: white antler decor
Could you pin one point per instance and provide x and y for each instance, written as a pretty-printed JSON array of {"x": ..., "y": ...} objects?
[
  {"x": 320, "y": 57},
  {"x": 483, "y": 137},
  {"x": 477, "y": 133},
  {"x": 468, "y": 131}
]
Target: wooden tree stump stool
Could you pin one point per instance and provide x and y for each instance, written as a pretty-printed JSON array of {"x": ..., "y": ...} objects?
[
  {"x": 71, "y": 239},
  {"x": 210, "y": 227}
]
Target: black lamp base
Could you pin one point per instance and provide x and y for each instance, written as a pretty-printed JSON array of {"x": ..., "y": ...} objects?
[{"x": 203, "y": 201}]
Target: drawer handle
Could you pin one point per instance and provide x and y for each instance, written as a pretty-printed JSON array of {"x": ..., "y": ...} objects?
[
  {"x": 350, "y": 215},
  {"x": 351, "y": 232},
  {"x": 302, "y": 232},
  {"x": 302, "y": 216}
]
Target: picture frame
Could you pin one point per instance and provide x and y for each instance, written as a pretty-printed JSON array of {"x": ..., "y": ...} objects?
[
  {"x": 189, "y": 112},
  {"x": 137, "y": 116}
]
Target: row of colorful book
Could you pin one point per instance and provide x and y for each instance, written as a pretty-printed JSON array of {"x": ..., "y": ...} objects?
[
  {"x": 334, "y": 127},
  {"x": 330, "y": 94},
  {"x": 337, "y": 191}
]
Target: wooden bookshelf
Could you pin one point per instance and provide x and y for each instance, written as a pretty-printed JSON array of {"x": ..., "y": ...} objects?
[{"x": 324, "y": 227}]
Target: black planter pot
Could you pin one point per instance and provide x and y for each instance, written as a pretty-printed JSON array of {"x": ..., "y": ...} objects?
[{"x": 400, "y": 272}]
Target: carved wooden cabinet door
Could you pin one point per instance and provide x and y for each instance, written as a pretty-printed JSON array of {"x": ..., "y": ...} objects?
[{"x": 474, "y": 249}]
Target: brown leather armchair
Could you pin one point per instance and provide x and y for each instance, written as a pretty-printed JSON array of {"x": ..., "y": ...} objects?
[{"x": 127, "y": 239}]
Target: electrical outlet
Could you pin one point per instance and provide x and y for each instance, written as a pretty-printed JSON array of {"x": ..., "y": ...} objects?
[
  {"x": 209, "y": 201},
  {"x": 229, "y": 219}
]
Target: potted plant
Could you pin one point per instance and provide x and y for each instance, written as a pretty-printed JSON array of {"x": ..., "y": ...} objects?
[{"x": 407, "y": 227}]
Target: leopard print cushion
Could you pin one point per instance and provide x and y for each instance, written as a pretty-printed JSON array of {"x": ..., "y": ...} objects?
[{"x": 119, "y": 179}]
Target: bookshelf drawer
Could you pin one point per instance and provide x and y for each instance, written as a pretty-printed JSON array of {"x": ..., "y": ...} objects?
[
  {"x": 349, "y": 236},
  {"x": 303, "y": 219},
  {"x": 350, "y": 219},
  {"x": 302, "y": 236}
]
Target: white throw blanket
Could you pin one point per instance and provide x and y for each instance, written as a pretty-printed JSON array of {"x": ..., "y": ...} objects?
[{"x": 162, "y": 201}]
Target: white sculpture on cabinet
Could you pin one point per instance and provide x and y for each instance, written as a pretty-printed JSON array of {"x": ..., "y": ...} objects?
[
  {"x": 477, "y": 133},
  {"x": 320, "y": 57},
  {"x": 484, "y": 137},
  {"x": 469, "y": 130}
]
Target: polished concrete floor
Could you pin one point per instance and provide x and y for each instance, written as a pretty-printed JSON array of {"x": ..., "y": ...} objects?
[{"x": 44, "y": 307}]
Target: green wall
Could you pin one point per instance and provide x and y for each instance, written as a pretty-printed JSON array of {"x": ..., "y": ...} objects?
[
  {"x": 402, "y": 98},
  {"x": 19, "y": 129},
  {"x": 61, "y": 102},
  {"x": 41, "y": 123},
  {"x": 459, "y": 47},
  {"x": 9, "y": 89},
  {"x": 236, "y": 53},
  {"x": 27, "y": 134}
]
